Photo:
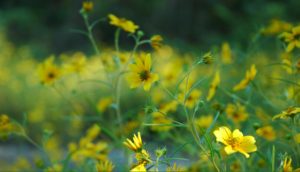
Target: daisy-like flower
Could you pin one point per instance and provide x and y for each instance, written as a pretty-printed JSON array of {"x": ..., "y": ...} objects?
[
  {"x": 213, "y": 86},
  {"x": 290, "y": 112},
  {"x": 235, "y": 141},
  {"x": 292, "y": 38},
  {"x": 236, "y": 112},
  {"x": 156, "y": 41},
  {"x": 250, "y": 75},
  {"x": 48, "y": 71},
  {"x": 122, "y": 23},
  {"x": 191, "y": 99},
  {"x": 141, "y": 73},
  {"x": 136, "y": 144},
  {"x": 266, "y": 132}
]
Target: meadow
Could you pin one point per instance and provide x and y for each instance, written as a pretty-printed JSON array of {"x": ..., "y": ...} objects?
[{"x": 144, "y": 104}]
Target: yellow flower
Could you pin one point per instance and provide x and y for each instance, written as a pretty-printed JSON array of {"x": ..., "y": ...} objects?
[
  {"x": 297, "y": 138},
  {"x": 136, "y": 143},
  {"x": 77, "y": 64},
  {"x": 235, "y": 141},
  {"x": 139, "y": 168},
  {"x": 105, "y": 166},
  {"x": 175, "y": 168},
  {"x": 267, "y": 132},
  {"x": 191, "y": 99},
  {"x": 87, "y": 6},
  {"x": 156, "y": 41},
  {"x": 204, "y": 121},
  {"x": 159, "y": 118},
  {"x": 48, "y": 71},
  {"x": 213, "y": 86},
  {"x": 143, "y": 157},
  {"x": 290, "y": 112},
  {"x": 236, "y": 112},
  {"x": 5, "y": 124},
  {"x": 287, "y": 164},
  {"x": 123, "y": 23},
  {"x": 104, "y": 103},
  {"x": 275, "y": 27},
  {"x": 226, "y": 54},
  {"x": 292, "y": 38},
  {"x": 250, "y": 75},
  {"x": 207, "y": 58},
  {"x": 140, "y": 73}
]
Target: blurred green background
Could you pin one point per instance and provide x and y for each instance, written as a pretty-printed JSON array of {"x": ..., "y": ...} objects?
[{"x": 46, "y": 24}]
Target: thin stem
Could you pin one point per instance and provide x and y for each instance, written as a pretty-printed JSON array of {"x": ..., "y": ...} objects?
[
  {"x": 117, "y": 36},
  {"x": 90, "y": 34}
]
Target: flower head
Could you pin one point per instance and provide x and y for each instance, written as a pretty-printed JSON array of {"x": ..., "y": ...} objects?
[
  {"x": 292, "y": 38},
  {"x": 105, "y": 166},
  {"x": 213, "y": 86},
  {"x": 156, "y": 41},
  {"x": 235, "y": 141},
  {"x": 136, "y": 144},
  {"x": 48, "y": 71},
  {"x": 226, "y": 54},
  {"x": 236, "y": 112},
  {"x": 289, "y": 112},
  {"x": 141, "y": 73},
  {"x": 266, "y": 132},
  {"x": 87, "y": 6},
  {"x": 250, "y": 75},
  {"x": 123, "y": 23},
  {"x": 287, "y": 164}
]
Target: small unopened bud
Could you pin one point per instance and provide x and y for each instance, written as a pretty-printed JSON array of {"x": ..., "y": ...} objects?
[
  {"x": 160, "y": 152},
  {"x": 87, "y": 6}
]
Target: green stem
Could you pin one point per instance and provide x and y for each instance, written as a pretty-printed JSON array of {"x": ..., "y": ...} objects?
[
  {"x": 117, "y": 36},
  {"x": 90, "y": 34}
]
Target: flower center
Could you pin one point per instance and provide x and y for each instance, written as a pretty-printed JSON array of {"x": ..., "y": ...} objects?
[
  {"x": 234, "y": 142},
  {"x": 144, "y": 75},
  {"x": 51, "y": 75}
]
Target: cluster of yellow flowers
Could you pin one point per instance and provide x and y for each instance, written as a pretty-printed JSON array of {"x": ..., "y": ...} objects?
[{"x": 174, "y": 94}]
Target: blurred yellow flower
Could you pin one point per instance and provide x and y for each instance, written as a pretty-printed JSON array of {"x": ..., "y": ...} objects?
[
  {"x": 236, "y": 112},
  {"x": 139, "y": 168},
  {"x": 76, "y": 64},
  {"x": 159, "y": 118},
  {"x": 267, "y": 132},
  {"x": 287, "y": 164},
  {"x": 297, "y": 138},
  {"x": 288, "y": 113},
  {"x": 48, "y": 71},
  {"x": 87, "y": 6},
  {"x": 175, "y": 168},
  {"x": 104, "y": 103},
  {"x": 226, "y": 54},
  {"x": 122, "y": 23},
  {"x": 276, "y": 26},
  {"x": 213, "y": 86},
  {"x": 140, "y": 73},
  {"x": 136, "y": 143},
  {"x": 250, "y": 75},
  {"x": 105, "y": 166},
  {"x": 207, "y": 58},
  {"x": 235, "y": 141},
  {"x": 156, "y": 41},
  {"x": 191, "y": 99},
  {"x": 292, "y": 38},
  {"x": 204, "y": 121}
]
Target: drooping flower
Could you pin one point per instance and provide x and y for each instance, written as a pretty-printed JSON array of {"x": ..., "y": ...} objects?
[
  {"x": 292, "y": 38},
  {"x": 235, "y": 141},
  {"x": 156, "y": 41},
  {"x": 213, "y": 86},
  {"x": 48, "y": 71},
  {"x": 250, "y": 75},
  {"x": 136, "y": 144},
  {"x": 266, "y": 132},
  {"x": 288, "y": 113},
  {"x": 122, "y": 23},
  {"x": 140, "y": 73}
]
